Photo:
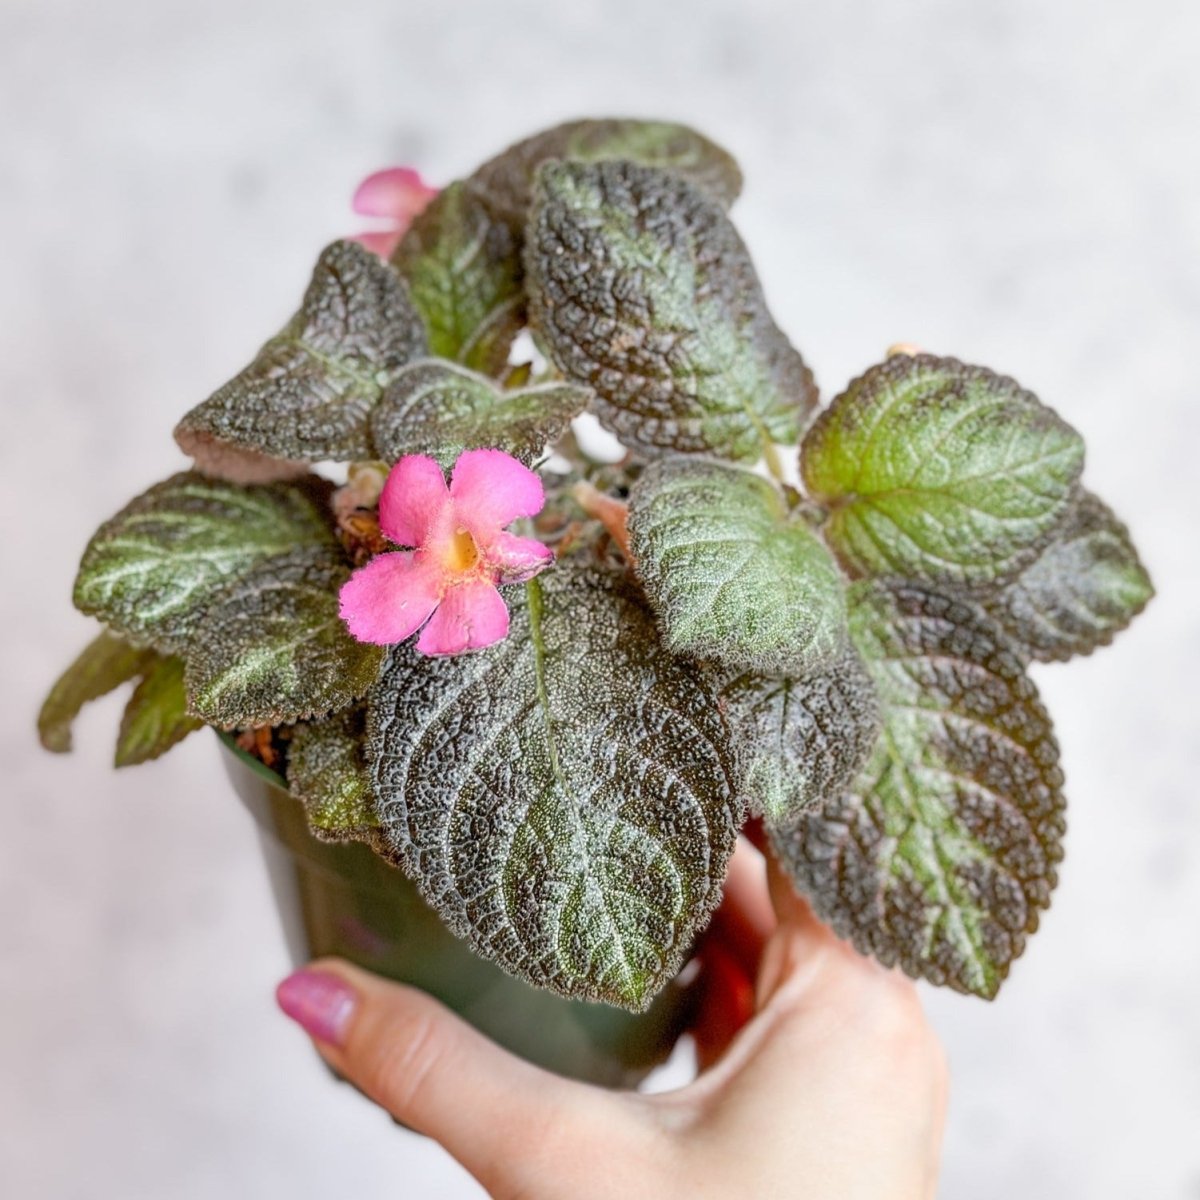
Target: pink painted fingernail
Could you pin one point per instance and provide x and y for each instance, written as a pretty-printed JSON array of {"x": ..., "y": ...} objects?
[{"x": 321, "y": 1003}]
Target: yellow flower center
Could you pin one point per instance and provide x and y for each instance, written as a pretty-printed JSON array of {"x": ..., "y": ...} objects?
[{"x": 461, "y": 553}]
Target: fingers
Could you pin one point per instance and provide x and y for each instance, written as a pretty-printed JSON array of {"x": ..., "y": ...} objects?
[
  {"x": 498, "y": 1115},
  {"x": 729, "y": 954},
  {"x": 802, "y": 945},
  {"x": 745, "y": 918},
  {"x": 726, "y": 1002}
]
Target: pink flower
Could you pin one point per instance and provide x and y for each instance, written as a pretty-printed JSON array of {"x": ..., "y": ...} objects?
[
  {"x": 397, "y": 195},
  {"x": 460, "y": 552}
]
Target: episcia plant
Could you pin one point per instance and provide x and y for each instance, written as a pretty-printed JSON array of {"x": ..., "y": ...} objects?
[{"x": 552, "y": 689}]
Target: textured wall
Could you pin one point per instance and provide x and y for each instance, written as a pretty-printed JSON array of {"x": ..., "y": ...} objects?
[{"x": 1012, "y": 181}]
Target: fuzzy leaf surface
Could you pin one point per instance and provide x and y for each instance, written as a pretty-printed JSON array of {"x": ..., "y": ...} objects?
[
  {"x": 156, "y": 717},
  {"x": 731, "y": 575},
  {"x": 327, "y": 773},
  {"x": 105, "y": 663},
  {"x": 436, "y": 408},
  {"x": 464, "y": 272},
  {"x": 945, "y": 850},
  {"x": 306, "y": 395},
  {"x": 806, "y": 736},
  {"x": 641, "y": 288},
  {"x": 1082, "y": 590},
  {"x": 507, "y": 181},
  {"x": 564, "y": 799},
  {"x": 272, "y": 648},
  {"x": 940, "y": 471},
  {"x": 152, "y": 570}
]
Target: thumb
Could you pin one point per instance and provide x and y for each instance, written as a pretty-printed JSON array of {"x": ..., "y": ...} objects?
[{"x": 502, "y": 1118}]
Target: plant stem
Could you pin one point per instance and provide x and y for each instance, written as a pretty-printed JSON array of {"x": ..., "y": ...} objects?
[
  {"x": 611, "y": 513},
  {"x": 774, "y": 465}
]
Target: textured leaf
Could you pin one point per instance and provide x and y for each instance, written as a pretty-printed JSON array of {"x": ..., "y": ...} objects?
[
  {"x": 730, "y": 573},
  {"x": 1085, "y": 587},
  {"x": 436, "y": 408},
  {"x": 307, "y": 394},
  {"x": 151, "y": 570},
  {"x": 156, "y": 717},
  {"x": 640, "y": 287},
  {"x": 805, "y": 737},
  {"x": 272, "y": 648},
  {"x": 944, "y": 852},
  {"x": 563, "y": 799},
  {"x": 940, "y": 471},
  {"x": 327, "y": 773},
  {"x": 105, "y": 664},
  {"x": 507, "y": 180},
  {"x": 464, "y": 272}
]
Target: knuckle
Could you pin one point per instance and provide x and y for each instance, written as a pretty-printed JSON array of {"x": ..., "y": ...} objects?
[{"x": 401, "y": 1060}]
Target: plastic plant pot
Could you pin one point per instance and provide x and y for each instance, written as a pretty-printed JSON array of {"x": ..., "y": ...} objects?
[{"x": 343, "y": 899}]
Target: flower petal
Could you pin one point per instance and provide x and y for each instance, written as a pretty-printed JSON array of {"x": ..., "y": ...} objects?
[
  {"x": 397, "y": 192},
  {"x": 378, "y": 241},
  {"x": 472, "y": 615},
  {"x": 517, "y": 559},
  {"x": 491, "y": 489},
  {"x": 414, "y": 500},
  {"x": 390, "y": 598}
]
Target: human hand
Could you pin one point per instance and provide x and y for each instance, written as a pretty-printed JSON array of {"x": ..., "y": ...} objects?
[{"x": 820, "y": 1076}]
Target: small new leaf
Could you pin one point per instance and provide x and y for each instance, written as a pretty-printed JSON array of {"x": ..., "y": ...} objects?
[
  {"x": 327, "y": 773},
  {"x": 939, "y": 471},
  {"x": 564, "y": 799},
  {"x": 436, "y": 408},
  {"x": 1082, "y": 590},
  {"x": 152, "y": 570},
  {"x": 507, "y": 181},
  {"x": 731, "y": 575},
  {"x": 944, "y": 851},
  {"x": 641, "y": 288},
  {"x": 306, "y": 396},
  {"x": 106, "y": 663},
  {"x": 805, "y": 737},
  {"x": 464, "y": 272},
  {"x": 272, "y": 648},
  {"x": 156, "y": 717}
]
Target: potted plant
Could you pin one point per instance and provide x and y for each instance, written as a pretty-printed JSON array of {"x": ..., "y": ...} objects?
[{"x": 501, "y": 709}]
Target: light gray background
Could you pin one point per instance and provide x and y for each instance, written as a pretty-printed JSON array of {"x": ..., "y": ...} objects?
[{"x": 1012, "y": 181}]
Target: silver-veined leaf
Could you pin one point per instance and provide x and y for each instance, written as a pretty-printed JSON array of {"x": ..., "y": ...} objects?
[
  {"x": 1082, "y": 590},
  {"x": 308, "y": 392},
  {"x": 440, "y": 409},
  {"x": 272, "y": 649},
  {"x": 944, "y": 851},
  {"x": 731, "y": 573},
  {"x": 152, "y": 570},
  {"x": 641, "y": 288},
  {"x": 565, "y": 798},
  {"x": 940, "y": 471}
]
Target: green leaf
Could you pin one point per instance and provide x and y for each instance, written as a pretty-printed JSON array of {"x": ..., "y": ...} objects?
[
  {"x": 565, "y": 798},
  {"x": 640, "y": 287},
  {"x": 805, "y": 737},
  {"x": 730, "y": 573},
  {"x": 464, "y": 272},
  {"x": 272, "y": 649},
  {"x": 1082, "y": 590},
  {"x": 940, "y": 471},
  {"x": 436, "y": 408},
  {"x": 156, "y": 717},
  {"x": 507, "y": 181},
  {"x": 327, "y": 773},
  {"x": 307, "y": 394},
  {"x": 106, "y": 663},
  {"x": 151, "y": 570},
  {"x": 944, "y": 852}
]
